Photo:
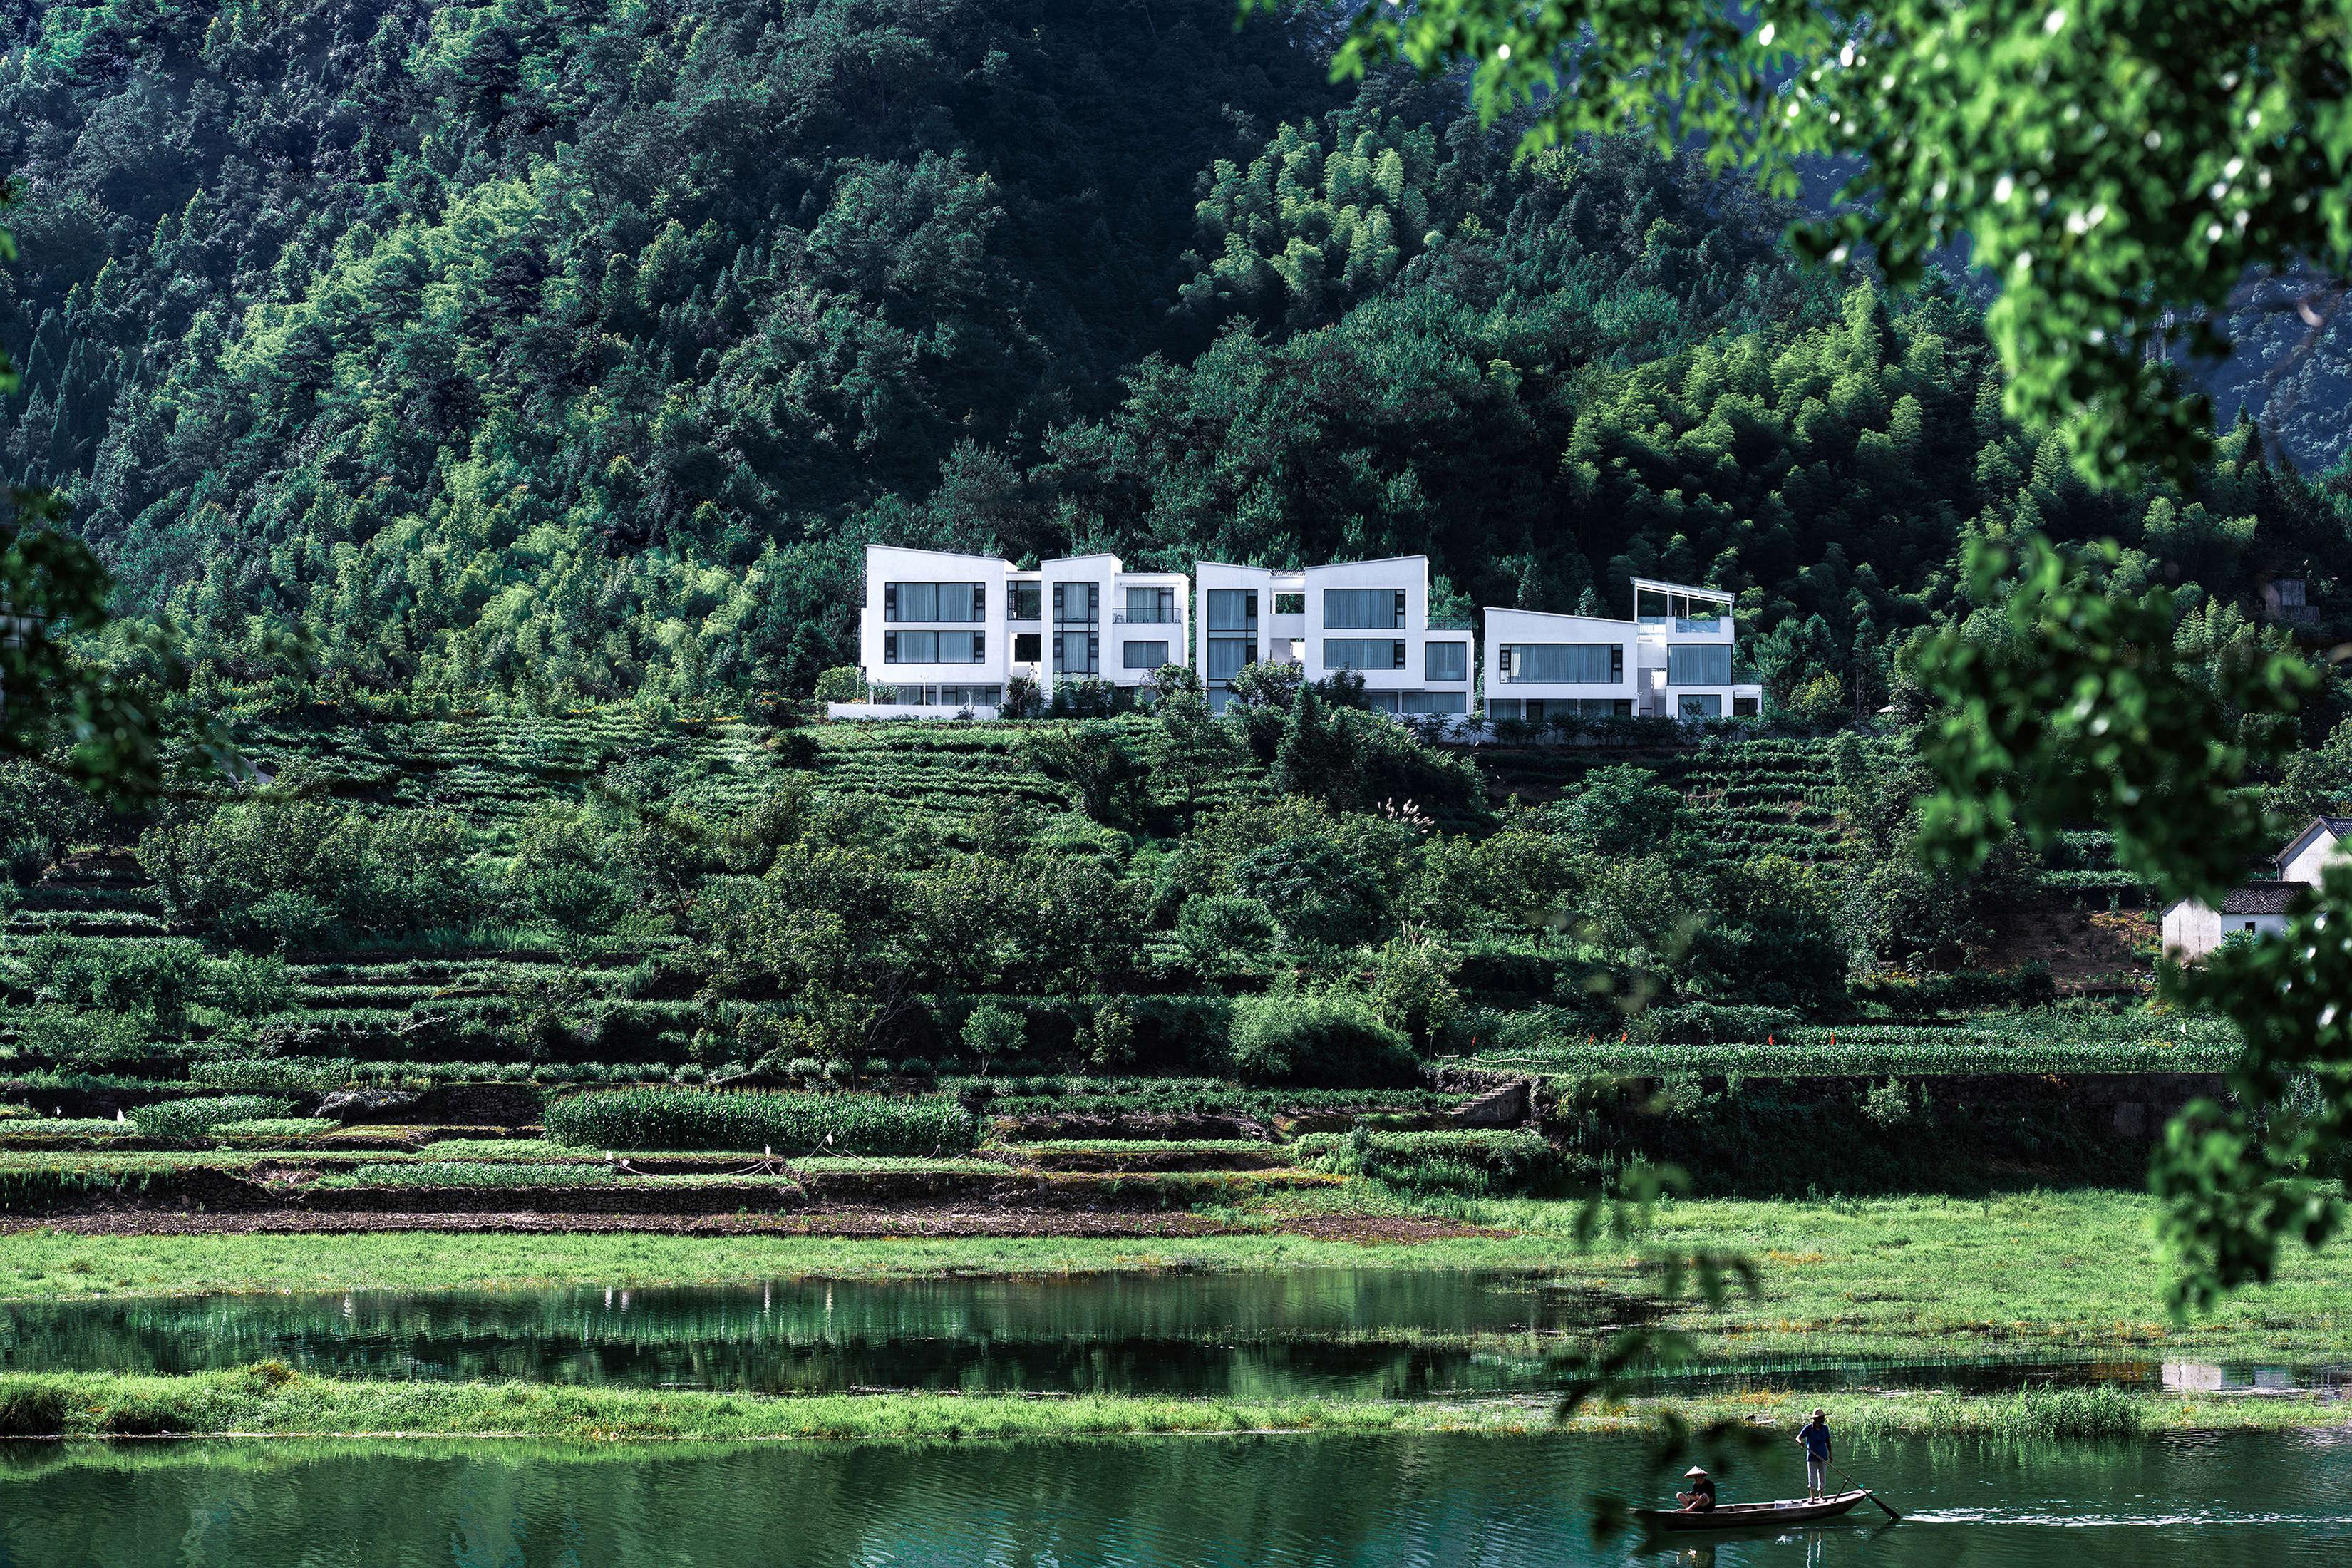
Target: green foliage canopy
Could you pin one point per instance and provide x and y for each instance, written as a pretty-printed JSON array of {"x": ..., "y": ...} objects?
[{"x": 2110, "y": 160}]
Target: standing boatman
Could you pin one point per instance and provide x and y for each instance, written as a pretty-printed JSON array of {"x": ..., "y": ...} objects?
[{"x": 1815, "y": 1437}]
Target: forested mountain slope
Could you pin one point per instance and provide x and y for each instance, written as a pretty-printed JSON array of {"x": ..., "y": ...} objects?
[{"x": 551, "y": 352}]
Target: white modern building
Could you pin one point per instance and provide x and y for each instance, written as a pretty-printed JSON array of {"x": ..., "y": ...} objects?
[
  {"x": 2192, "y": 930},
  {"x": 1369, "y": 616},
  {"x": 942, "y": 632},
  {"x": 1674, "y": 659}
]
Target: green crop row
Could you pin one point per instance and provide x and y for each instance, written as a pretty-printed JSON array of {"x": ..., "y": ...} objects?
[
  {"x": 1790, "y": 1059},
  {"x": 788, "y": 1123},
  {"x": 195, "y": 1118},
  {"x": 479, "y": 1173}
]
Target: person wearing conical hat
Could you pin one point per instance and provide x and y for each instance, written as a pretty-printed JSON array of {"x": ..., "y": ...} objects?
[{"x": 1700, "y": 1498}]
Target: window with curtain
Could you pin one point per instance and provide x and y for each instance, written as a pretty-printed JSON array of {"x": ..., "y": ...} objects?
[
  {"x": 1151, "y": 606},
  {"x": 1227, "y": 655},
  {"x": 1349, "y": 608},
  {"x": 1232, "y": 609},
  {"x": 1700, "y": 665},
  {"x": 934, "y": 647},
  {"x": 1362, "y": 653},
  {"x": 934, "y": 601},
  {"x": 1564, "y": 664},
  {"x": 1077, "y": 604},
  {"x": 1434, "y": 702},
  {"x": 1446, "y": 661},
  {"x": 1143, "y": 655},
  {"x": 1701, "y": 705},
  {"x": 1077, "y": 653}
]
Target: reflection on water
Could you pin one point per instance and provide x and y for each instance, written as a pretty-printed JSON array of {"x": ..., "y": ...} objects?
[
  {"x": 2215, "y": 1502},
  {"x": 1371, "y": 1332}
]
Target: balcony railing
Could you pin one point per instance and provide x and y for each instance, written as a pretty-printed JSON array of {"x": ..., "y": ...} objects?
[
  {"x": 1450, "y": 623},
  {"x": 1145, "y": 617},
  {"x": 1714, "y": 627}
]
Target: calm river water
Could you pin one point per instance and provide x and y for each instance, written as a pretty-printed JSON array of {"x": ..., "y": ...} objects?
[
  {"x": 2250, "y": 1499},
  {"x": 1372, "y": 1332}
]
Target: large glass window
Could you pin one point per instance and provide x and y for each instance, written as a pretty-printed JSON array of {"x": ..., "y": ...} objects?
[
  {"x": 1227, "y": 655},
  {"x": 951, "y": 696},
  {"x": 1077, "y": 653},
  {"x": 1362, "y": 653},
  {"x": 934, "y": 601},
  {"x": 1143, "y": 655},
  {"x": 1446, "y": 661},
  {"x": 1232, "y": 609},
  {"x": 934, "y": 647},
  {"x": 1024, "y": 601},
  {"x": 1149, "y": 607},
  {"x": 1701, "y": 705},
  {"x": 1349, "y": 608},
  {"x": 1700, "y": 665},
  {"x": 1077, "y": 604},
  {"x": 1562, "y": 664},
  {"x": 1434, "y": 702}
]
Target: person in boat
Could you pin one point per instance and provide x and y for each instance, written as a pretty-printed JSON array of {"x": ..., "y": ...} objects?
[
  {"x": 1700, "y": 1498},
  {"x": 1814, "y": 1436}
]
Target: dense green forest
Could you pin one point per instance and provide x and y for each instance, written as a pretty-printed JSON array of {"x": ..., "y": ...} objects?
[{"x": 551, "y": 353}]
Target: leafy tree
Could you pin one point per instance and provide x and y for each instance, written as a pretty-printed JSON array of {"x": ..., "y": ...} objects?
[
  {"x": 1214, "y": 927},
  {"x": 994, "y": 1030},
  {"x": 1319, "y": 894},
  {"x": 1073, "y": 922},
  {"x": 1314, "y": 756},
  {"x": 1413, "y": 987},
  {"x": 563, "y": 872},
  {"x": 1623, "y": 810},
  {"x": 1092, "y": 759},
  {"x": 1190, "y": 749},
  {"x": 2151, "y": 154}
]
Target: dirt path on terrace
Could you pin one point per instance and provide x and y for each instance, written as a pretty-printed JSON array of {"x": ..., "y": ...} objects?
[{"x": 845, "y": 1222}]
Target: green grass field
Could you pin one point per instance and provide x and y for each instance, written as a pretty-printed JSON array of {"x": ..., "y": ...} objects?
[{"x": 270, "y": 1400}]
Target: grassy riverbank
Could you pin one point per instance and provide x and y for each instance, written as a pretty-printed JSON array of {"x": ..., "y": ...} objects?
[
  {"x": 270, "y": 1400},
  {"x": 2055, "y": 1273}
]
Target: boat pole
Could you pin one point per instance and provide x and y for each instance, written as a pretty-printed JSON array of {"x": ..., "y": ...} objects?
[{"x": 1867, "y": 1492}]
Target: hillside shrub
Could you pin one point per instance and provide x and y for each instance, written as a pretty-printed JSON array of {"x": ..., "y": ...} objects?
[
  {"x": 1470, "y": 1161},
  {"x": 1318, "y": 1040},
  {"x": 1710, "y": 1024},
  {"x": 81, "y": 1037},
  {"x": 195, "y": 1118},
  {"x": 788, "y": 1122}
]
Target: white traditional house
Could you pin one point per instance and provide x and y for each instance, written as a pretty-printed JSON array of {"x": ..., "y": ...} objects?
[
  {"x": 1369, "y": 616},
  {"x": 2192, "y": 930},
  {"x": 942, "y": 633},
  {"x": 1674, "y": 659}
]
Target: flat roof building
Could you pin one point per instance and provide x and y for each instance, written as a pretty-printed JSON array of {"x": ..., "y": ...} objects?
[
  {"x": 1674, "y": 659},
  {"x": 942, "y": 630},
  {"x": 1369, "y": 616}
]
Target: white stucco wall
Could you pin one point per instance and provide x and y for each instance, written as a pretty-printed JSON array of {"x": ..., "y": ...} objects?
[
  {"x": 2324, "y": 850},
  {"x": 1507, "y": 696},
  {"x": 2192, "y": 930}
]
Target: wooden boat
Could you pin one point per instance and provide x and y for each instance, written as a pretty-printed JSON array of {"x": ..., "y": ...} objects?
[{"x": 1751, "y": 1515}]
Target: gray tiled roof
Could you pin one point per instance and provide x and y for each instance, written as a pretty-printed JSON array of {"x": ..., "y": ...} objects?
[{"x": 2263, "y": 897}]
